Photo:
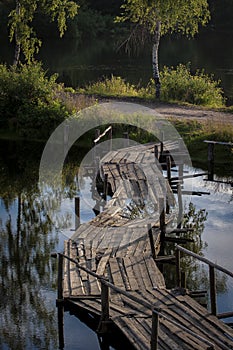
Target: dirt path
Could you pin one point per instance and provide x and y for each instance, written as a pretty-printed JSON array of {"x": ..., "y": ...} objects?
[{"x": 178, "y": 111}]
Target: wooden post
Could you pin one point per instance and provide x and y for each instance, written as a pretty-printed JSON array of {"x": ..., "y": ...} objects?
[
  {"x": 151, "y": 238},
  {"x": 156, "y": 151},
  {"x": 213, "y": 301},
  {"x": 126, "y": 137},
  {"x": 105, "y": 190},
  {"x": 178, "y": 277},
  {"x": 183, "y": 279},
  {"x": 60, "y": 317},
  {"x": 104, "y": 308},
  {"x": 77, "y": 212},
  {"x": 65, "y": 139},
  {"x": 168, "y": 161},
  {"x": 180, "y": 204},
  {"x": 60, "y": 279},
  {"x": 110, "y": 139},
  {"x": 155, "y": 329},
  {"x": 97, "y": 134},
  {"x": 210, "y": 161},
  {"x": 161, "y": 142},
  {"x": 162, "y": 219}
]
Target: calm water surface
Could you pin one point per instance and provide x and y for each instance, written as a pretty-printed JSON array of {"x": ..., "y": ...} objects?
[
  {"x": 28, "y": 315},
  {"x": 80, "y": 63}
]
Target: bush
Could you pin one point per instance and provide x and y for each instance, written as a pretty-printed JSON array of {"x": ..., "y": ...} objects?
[
  {"x": 114, "y": 86},
  {"x": 27, "y": 101},
  {"x": 178, "y": 84}
]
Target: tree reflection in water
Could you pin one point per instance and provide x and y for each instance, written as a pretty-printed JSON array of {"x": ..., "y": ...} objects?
[{"x": 28, "y": 318}]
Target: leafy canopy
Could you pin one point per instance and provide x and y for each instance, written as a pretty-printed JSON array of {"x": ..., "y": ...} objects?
[
  {"x": 175, "y": 16},
  {"x": 21, "y": 18}
]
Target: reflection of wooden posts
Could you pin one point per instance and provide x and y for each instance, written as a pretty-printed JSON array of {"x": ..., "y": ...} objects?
[
  {"x": 155, "y": 329},
  {"x": 181, "y": 165},
  {"x": 60, "y": 318},
  {"x": 60, "y": 279},
  {"x": 210, "y": 161},
  {"x": 213, "y": 301},
  {"x": 151, "y": 238},
  {"x": 178, "y": 275},
  {"x": 126, "y": 137},
  {"x": 162, "y": 219},
  {"x": 77, "y": 212},
  {"x": 180, "y": 204},
  {"x": 104, "y": 308}
]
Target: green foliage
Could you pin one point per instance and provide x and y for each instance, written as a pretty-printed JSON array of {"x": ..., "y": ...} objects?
[
  {"x": 114, "y": 86},
  {"x": 21, "y": 18},
  {"x": 27, "y": 100},
  {"x": 178, "y": 84},
  {"x": 175, "y": 16}
]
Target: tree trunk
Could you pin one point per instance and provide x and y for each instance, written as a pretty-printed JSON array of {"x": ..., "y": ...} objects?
[
  {"x": 155, "y": 59},
  {"x": 17, "y": 40}
]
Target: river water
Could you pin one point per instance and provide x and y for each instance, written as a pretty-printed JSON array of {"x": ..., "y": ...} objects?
[
  {"x": 28, "y": 314},
  {"x": 81, "y": 63}
]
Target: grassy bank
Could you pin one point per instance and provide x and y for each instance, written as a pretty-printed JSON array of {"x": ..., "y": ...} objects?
[{"x": 194, "y": 133}]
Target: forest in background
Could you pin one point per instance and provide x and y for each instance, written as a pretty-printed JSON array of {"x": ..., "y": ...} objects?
[{"x": 96, "y": 18}]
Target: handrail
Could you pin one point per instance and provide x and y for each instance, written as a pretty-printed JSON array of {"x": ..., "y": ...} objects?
[
  {"x": 212, "y": 278},
  {"x": 103, "y": 134},
  {"x": 205, "y": 260},
  {"x": 141, "y": 302}
]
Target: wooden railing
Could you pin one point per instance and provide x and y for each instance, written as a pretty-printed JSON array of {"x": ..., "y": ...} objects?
[
  {"x": 212, "y": 278},
  {"x": 156, "y": 313}
]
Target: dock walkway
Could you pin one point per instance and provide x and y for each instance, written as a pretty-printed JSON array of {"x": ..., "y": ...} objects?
[{"x": 110, "y": 264}]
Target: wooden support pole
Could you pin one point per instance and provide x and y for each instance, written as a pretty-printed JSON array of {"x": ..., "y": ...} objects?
[
  {"x": 77, "y": 212},
  {"x": 156, "y": 151},
  {"x": 110, "y": 139},
  {"x": 161, "y": 143},
  {"x": 162, "y": 219},
  {"x": 97, "y": 134},
  {"x": 126, "y": 137},
  {"x": 155, "y": 329},
  {"x": 183, "y": 279},
  {"x": 178, "y": 274},
  {"x": 60, "y": 279},
  {"x": 60, "y": 318},
  {"x": 105, "y": 190},
  {"x": 210, "y": 161},
  {"x": 180, "y": 204},
  {"x": 151, "y": 238},
  {"x": 213, "y": 300},
  {"x": 104, "y": 308},
  {"x": 168, "y": 161}
]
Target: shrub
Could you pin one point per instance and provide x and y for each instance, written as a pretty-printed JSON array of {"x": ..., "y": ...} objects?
[
  {"x": 27, "y": 100},
  {"x": 178, "y": 84},
  {"x": 114, "y": 86}
]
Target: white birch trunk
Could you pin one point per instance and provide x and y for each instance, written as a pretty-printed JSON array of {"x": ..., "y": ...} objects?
[
  {"x": 17, "y": 41},
  {"x": 155, "y": 59}
]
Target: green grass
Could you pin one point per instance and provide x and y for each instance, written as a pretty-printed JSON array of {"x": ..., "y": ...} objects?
[{"x": 177, "y": 85}]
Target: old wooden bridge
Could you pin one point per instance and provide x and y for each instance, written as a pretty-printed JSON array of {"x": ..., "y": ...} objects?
[{"x": 109, "y": 266}]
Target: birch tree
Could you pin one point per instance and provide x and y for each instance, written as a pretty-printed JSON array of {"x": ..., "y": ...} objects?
[
  {"x": 159, "y": 17},
  {"x": 21, "y": 28}
]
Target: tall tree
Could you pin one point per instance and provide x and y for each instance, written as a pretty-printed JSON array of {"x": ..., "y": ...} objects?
[
  {"x": 21, "y": 18},
  {"x": 155, "y": 18}
]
